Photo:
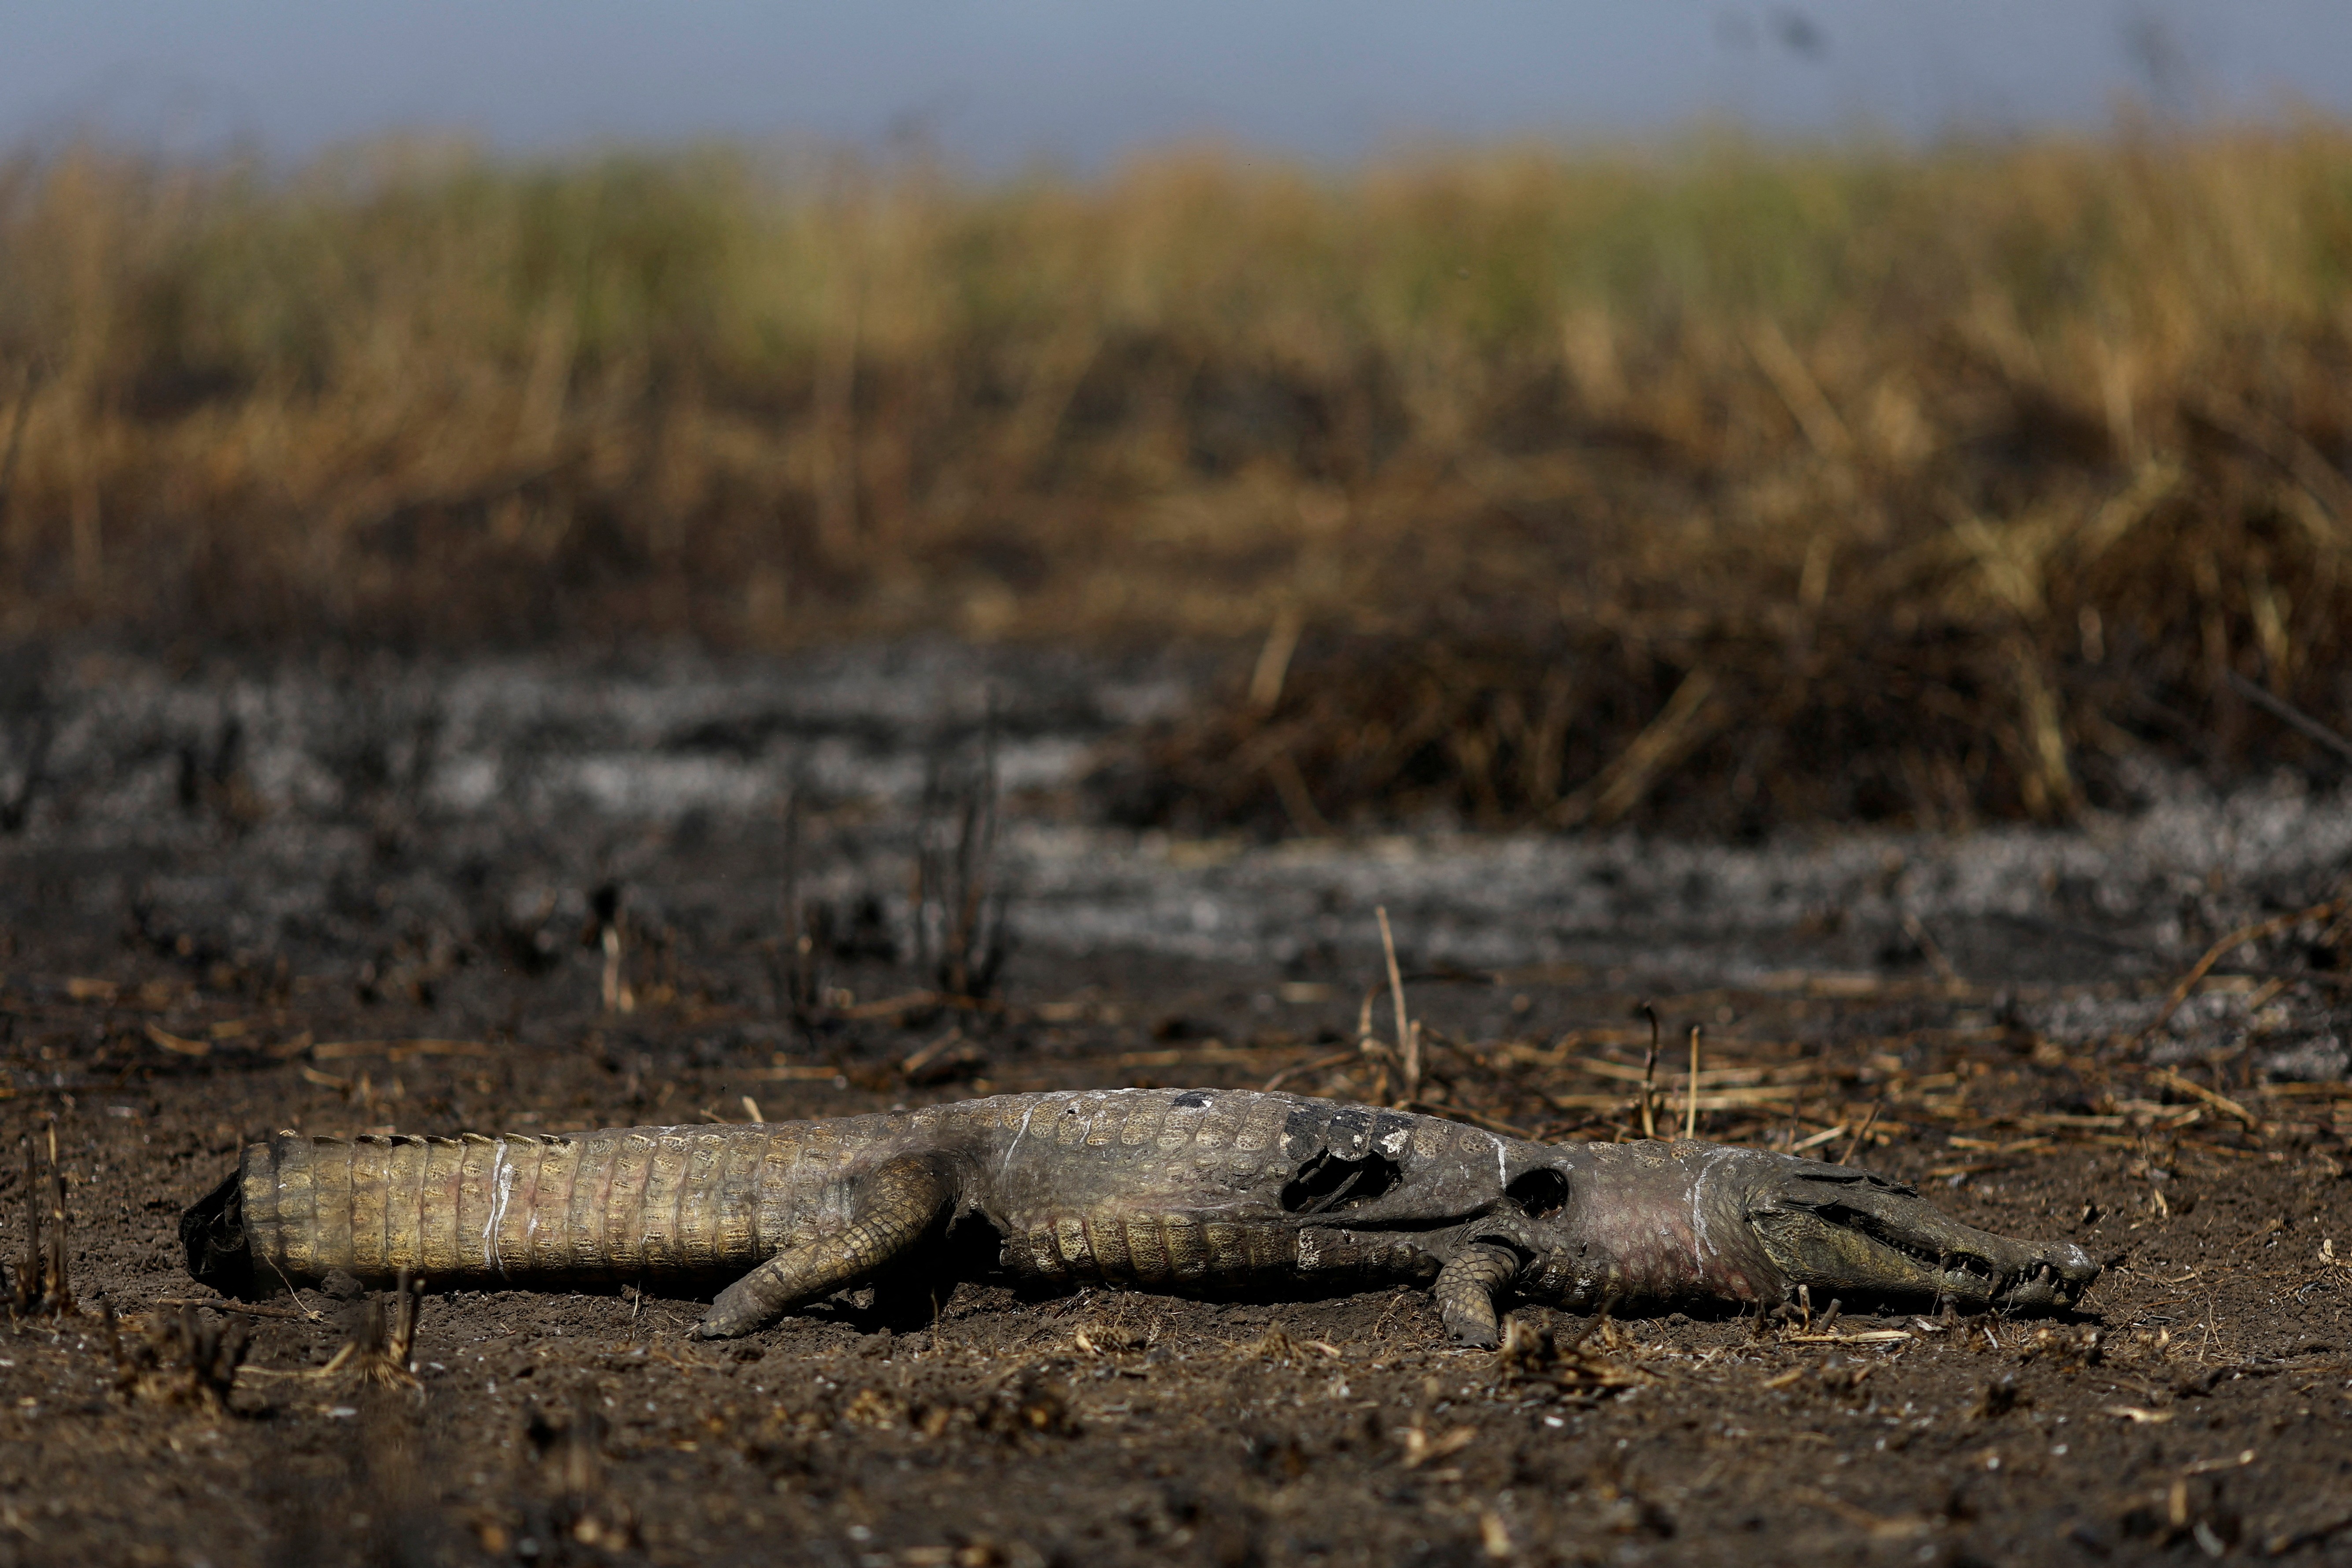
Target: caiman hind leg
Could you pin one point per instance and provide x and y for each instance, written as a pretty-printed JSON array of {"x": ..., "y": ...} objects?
[{"x": 891, "y": 1207}]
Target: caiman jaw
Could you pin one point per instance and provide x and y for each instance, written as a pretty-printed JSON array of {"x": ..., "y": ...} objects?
[{"x": 1844, "y": 1232}]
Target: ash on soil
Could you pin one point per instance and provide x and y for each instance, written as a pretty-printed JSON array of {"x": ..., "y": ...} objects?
[{"x": 201, "y": 941}]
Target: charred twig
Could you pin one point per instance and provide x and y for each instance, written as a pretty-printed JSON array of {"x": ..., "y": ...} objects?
[
  {"x": 960, "y": 908},
  {"x": 41, "y": 1286},
  {"x": 808, "y": 927},
  {"x": 29, "y": 725}
]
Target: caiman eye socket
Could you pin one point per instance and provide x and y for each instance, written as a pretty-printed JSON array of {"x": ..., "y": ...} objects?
[{"x": 1540, "y": 1192}]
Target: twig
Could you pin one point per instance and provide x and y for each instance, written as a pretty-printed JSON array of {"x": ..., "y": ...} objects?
[
  {"x": 2310, "y": 977},
  {"x": 1273, "y": 660},
  {"x": 1862, "y": 1132},
  {"x": 23, "y": 408},
  {"x": 1593, "y": 1323},
  {"x": 1690, "y": 717},
  {"x": 916, "y": 1002},
  {"x": 604, "y": 905},
  {"x": 1297, "y": 1069},
  {"x": 1290, "y": 787},
  {"x": 1211, "y": 1050},
  {"x": 1476, "y": 1117},
  {"x": 2293, "y": 718},
  {"x": 1714, "y": 1078},
  {"x": 1764, "y": 1097},
  {"x": 1913, "y": 928},
  {"x": 2218, "y": 1101},
  {"x": 310, "y": 1315},
  {"x": 1649, "y": 1073},
  {"x": 238, "y": 1308},
  {"x": 1408, "y": 1037},
  {"x": 2228, "y": 945},
  {"x": 1690, "y": 1105},
  {"x": 392, "y": 1050},
  {"x": 916, "y": 1061}
]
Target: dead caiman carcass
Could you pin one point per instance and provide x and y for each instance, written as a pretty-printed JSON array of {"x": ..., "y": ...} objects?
[{"x": 1192, "y": 1191}]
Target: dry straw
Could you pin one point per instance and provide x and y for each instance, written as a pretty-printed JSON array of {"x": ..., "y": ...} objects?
[{"x": 1528, "y": 487}]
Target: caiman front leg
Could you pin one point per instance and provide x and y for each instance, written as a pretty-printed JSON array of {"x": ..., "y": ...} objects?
[
  {"x": 1494, "y": 1254},
  {"x": 891, "y": 1207},
  {"x": 1465, "y": 1291}
]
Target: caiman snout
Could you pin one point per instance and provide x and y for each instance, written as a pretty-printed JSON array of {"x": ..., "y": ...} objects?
[
  {"x": 2057, "y": 1279},
  {"x": 1833, "y": 1228}
]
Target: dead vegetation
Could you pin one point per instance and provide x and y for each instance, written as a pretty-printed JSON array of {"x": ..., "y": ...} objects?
[
  {"x": 1596, "y": 1362},
  {"x": 1533, "y": 488},
  {"x": 1985, "y": 1083},
  {"x": 382, "y": 1353},
  {"x": 182, "y": 1359}
]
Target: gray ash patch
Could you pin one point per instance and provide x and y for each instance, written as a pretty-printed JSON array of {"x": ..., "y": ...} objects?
[
  {"x": 2199, "y": 1027},
  {"x": 2319, "y": 1059},
  {"x": 384, "y": 804}
]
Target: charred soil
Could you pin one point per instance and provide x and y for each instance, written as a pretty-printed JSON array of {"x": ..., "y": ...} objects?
[
  {"x": 2199, "y": 1401},
  {"x": 169, "y": 992}
]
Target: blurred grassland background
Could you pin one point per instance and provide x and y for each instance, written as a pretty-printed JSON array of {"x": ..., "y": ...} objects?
[{"x": 1718, "y": 487}]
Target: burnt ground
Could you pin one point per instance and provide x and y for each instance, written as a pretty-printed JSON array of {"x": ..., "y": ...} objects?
[{"x": 175, "y": 981}]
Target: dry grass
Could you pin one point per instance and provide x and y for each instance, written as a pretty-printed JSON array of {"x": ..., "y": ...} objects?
[{"x": 1573, "y": 477}]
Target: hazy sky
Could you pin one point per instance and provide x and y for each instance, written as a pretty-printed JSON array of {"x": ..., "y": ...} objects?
[{"x": 994, "y": 83}]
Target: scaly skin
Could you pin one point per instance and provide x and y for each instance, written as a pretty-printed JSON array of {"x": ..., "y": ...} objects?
[{"x": 1193, "y": 1192}]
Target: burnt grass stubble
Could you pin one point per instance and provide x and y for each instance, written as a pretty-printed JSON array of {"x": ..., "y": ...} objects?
[{"x": 2195, "y": 1408}]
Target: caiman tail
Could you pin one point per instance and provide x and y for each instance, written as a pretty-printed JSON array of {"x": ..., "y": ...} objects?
[{"x": 624, "y": 1203}]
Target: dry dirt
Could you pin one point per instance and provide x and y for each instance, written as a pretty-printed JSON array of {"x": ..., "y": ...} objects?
[{"x": 2197, "y": 1406}]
